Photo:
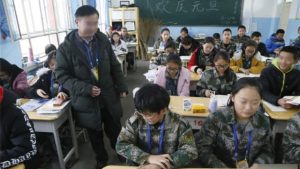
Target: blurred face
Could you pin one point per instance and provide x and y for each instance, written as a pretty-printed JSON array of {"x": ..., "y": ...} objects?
[
  {"x": 116, "y": 38},
  {"x": 87, "y": 25},
  {"x": 52, "y": 64},
  {"x": 241, "y": 32},
  {"x": 172, "y": 68},
  {"x": 183, "y": 34},
  {"x": 208, "y": 47},
  {"x": 153, "y": 118},
  {"x": 256, "y": 39},
  {"x": 226, "y": 36},
  {"x": 221, "y": 66},
  {"x": 165, "y": 35},
  {"x": 124, "y": 32},
  {"x": 280, "y": 35},
  {"x": 249, "y": 51},
  {"x": 186, "y": 47},
  {"x": 169, "y": 51},
  {"x": 246, "y": 103},
  {"x": 285, "y": 61},
  {"x": 4, "y": 76}
]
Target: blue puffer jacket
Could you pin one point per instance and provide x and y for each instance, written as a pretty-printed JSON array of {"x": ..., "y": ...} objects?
[{"x": 273, "y": 43}]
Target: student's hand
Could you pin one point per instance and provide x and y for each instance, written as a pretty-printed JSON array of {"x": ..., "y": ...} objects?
[
  {"x": 246, "y": 71},
  {"x": 163, "y": 161},
  {"x": 277, "y": 51},
  {"x": 208, "y": 93},
  {"x": 42, "y": 93},
  {"x": 199, "y": 71},
  {"x": 283, "y": 103},
  {"x": 95, "y": 91},
  {"x": 123, "y": 94},
  {"x": 62, "y": 96}
]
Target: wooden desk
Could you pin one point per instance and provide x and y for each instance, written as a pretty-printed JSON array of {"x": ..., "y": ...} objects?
[
  {"x": 196, "y": 120},
  {"x": 51, "y": 124},
  {"x": 280, "y": 119},
  {"x": 260, "y": 166}
]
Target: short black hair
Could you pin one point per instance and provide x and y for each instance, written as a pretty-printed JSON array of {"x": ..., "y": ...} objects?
[
  {"x": 241, "y": 27},
  {"x": 255, "y": 34},
  {"x": 170, "y": 44},
  {"x": 222, "y": 54},
  {"x": 293, "y": 50},
  {"x": 174, "y": 58},
  {"x": 184, "y": 29},
  {"x": 86, "y": 10},
  {"x": 51, "y": 55},
  {"x": 243, "y": 83},
  {"x": 49, "y": 48},
  {"x": 280, "y": 31},
  {"x": 186, "y": 41},
  {"x": 165, "y": 29},
  {"x": 216, "y": 35},
  {"x": 209, "y": 39},
  {"x": 151, "y": 98},
  {"x": 227, "y": 30}
]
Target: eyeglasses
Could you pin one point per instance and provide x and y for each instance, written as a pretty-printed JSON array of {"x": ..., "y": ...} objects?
[
  {"x": 222, "y": 66},
  {"x": 169, "y": 69}
]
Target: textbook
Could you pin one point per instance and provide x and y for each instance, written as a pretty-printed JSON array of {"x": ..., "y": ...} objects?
[
  {"x": 33, "y": 104},
  {"x": 50, "y": 108}
]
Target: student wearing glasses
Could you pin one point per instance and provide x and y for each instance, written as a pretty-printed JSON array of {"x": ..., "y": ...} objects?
[
  {"x": 220, "y": 79},
  {"x": 154, "y": 136},
  {"x": 173, "y": 77}
]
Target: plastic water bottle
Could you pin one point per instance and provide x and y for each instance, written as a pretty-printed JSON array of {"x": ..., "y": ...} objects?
[{"x": 213, "y": 103}]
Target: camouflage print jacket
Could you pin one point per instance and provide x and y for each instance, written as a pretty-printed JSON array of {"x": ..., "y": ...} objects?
[
  {"x": 216, "y": 140},
  {"x": 291, "y": 141},
  {"x": 230, "y": 49},
  {"x": 210, "y": 80},
  {"x": 178, "y": 140}
]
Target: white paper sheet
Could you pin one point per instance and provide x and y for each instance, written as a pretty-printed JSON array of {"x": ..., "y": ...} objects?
[
  {"x": 48, "y": 107},
  {"x": 222, "y": 100},
  {"x": 241, "y": 75},
  {"x": 33, "y": 105},
  {"x": 273, "y": 107}
]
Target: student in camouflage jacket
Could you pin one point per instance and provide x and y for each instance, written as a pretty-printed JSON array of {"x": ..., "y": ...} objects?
[
  {"x": 219, "y": 79},
  {"x": 176, "y": 148},
  {"x": 216, "y": 142},
  {"x": 291, "y": 141}
]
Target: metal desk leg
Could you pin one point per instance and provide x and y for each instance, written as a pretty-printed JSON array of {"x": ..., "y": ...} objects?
[
  {"x": 59, "y": 149},
  {"x": 73, "y": 133}
]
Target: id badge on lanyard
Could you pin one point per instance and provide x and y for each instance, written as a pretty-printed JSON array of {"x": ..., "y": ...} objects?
[{"x": 94, "y": 67}]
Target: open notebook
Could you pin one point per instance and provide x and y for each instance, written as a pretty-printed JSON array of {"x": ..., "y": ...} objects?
[{"x": 49, "y": 108}]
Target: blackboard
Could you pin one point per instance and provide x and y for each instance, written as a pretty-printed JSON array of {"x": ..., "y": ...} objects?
[{"x": 192, "y": 12}]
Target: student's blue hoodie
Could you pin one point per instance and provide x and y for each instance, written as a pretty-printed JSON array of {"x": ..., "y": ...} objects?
[{"x": 273, "y": 43}]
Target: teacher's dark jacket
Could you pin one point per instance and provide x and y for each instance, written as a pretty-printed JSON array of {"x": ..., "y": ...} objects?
[{"x": 73, "y": 72}]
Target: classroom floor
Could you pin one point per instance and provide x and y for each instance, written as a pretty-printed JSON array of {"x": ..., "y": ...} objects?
[{"x": 86, "y": 154}]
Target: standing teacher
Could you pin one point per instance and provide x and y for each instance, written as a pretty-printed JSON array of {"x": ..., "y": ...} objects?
[{"x": 89, "y": 69}]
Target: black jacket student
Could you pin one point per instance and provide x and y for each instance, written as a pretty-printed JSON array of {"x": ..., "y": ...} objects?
[
  {"x": 48, "y": 83},
  {"x": 74, "y": 73},
  {"x": 17, "y": 137},
  {"x": 277, "y": 84}
]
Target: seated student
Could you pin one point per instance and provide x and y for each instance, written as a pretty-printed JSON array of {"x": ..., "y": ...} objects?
[
  {"x": 161, "y": 59},
  {"x": 14, "y": 78},
  {"x": 187, "y": 46},
  {"x": 291, "y": 141},
  {"x": 154, "y": 134},
  {"x": 17, "y": 136},
  {"x": 248, "y": 61},
  {"x": 275, "y": 42},
  {"x": 203, "y": 56},
  {"x": 184, "y": 32},
  {"x": 226, "y": 43},
  {"x": 173, "y": 77},
  {"x": 217, "y": 38},
  {"x": 281, "y": 78},
  {"x": 164, "y": 38},
  {"x": 296, "y": 42},
  {"x": 261, "y": 47},
  {"x": 128, "y": 38},
  {"x": 47, "y": 87},
  {"x": 239, "y": 134},
  {"x": 241, "y": 37},
  {"x": 118, "y": 45},
  {"x": 219, "y": 79}
]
